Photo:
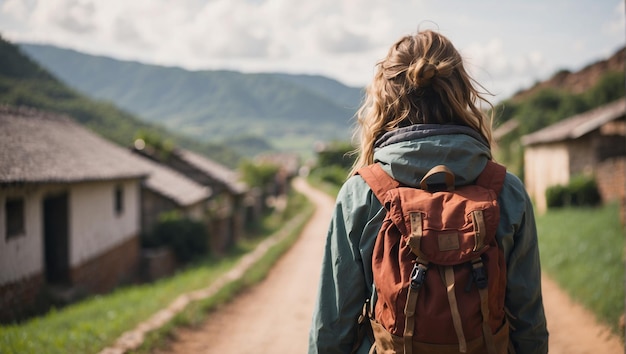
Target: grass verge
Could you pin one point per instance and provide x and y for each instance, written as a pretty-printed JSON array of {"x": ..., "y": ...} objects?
[
  {"x": 197, "y": 311},
  {"x": 317, "y": 182},
  {"x": 93, "y": 324},
  {"x": 582, "y": 249}
]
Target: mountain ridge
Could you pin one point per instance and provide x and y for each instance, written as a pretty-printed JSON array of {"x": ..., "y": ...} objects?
[
  {"x": 254, "y": 112},
  {"x": 212, "y": 105},
  {"x": 24, "y": 82}
]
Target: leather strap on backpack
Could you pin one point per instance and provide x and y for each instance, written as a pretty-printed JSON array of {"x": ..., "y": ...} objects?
[{"x": 378, "y": 180}]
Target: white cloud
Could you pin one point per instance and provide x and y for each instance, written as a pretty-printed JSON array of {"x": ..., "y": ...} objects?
[
  {"x": 617, "y": 23},
  {"x": 342, "y": 39},
  {"x": 72, "y": 15},
  {"x": 18, "y": 9},
  {"x": 337, "y": 37}
]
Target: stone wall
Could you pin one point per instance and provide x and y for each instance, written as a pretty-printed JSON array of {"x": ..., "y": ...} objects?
[
  {"x": 611, "y": 179},
  {"x": 157, "y": 263},
  {"x": 19, "y": 299},
  {"x": 118, "y": 265}
]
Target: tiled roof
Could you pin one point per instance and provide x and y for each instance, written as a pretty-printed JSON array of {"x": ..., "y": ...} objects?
[
  {"x": 578, "y": 125},
  {"x": 41, "y": 147},
  {"x": 213, "y": 169}
]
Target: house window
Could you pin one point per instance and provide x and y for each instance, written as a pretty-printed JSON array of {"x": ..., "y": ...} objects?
[
  {"x": 14, "y": 212},
  {"x": 119, "y": 200}
]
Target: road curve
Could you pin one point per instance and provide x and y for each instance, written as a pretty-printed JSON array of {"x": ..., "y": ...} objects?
[{"x": 273, "y": 316}]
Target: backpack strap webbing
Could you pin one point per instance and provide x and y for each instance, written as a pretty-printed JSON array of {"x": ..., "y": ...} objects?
[
  {"x": 378, "y": 180},
  {"x": 484, "y": 309},
  {"x": 448, "y": 275},
  {"x": 492, "y": 176}
]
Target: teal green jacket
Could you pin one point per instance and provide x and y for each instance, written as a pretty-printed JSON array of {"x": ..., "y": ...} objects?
[{"x": 407, "y": 154}]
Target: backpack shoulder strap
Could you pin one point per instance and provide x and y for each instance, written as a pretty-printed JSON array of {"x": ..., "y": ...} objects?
[
  {"x": 378, "y": 180},
  {"x": 492, "y": 177}
]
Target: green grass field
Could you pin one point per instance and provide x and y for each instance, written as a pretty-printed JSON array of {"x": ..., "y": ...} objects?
[{"x": 582, "y": 249}]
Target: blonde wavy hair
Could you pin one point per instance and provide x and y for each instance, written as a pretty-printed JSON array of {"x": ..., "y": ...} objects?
[{"x": 421, "y": 80}]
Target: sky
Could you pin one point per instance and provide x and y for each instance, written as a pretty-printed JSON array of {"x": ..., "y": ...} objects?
[{"x": 507, "y": 45}]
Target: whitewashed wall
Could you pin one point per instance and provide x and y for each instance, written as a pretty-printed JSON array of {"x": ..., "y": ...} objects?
[
  {"x": 545, "y": 166},
  {"x": 22, "y": 256},
  {"x": 95, "y": 226}
]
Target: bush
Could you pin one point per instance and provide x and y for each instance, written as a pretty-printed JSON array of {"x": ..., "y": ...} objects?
[
  {"x": 258, "y": 174},
  {"x": 336, "y": 154},
  {"x": 335, "y": 175},
  {"x": 580, "y": 191},
  {"x": 187, "y": 238},
  {"x": 584, "y": 191}
]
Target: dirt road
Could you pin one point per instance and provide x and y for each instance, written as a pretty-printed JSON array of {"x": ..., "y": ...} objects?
[{"x": 274, "y": 316}]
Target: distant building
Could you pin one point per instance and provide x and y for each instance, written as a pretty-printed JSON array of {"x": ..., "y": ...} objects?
[
  {"x": 591, "y": 143},
  {"x": 288, "y": 167},
  {"x": 167, "y": 190},
  {"x": 229, "y": 200},
  {"x": 162, "y": 192}
]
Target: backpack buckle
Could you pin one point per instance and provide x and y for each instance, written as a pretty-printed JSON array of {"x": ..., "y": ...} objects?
[
  {"x": 479, "y": 274},
  {"x": 418, "y": 275}
]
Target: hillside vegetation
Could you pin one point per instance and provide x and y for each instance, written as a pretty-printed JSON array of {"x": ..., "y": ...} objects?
[
  {"x": 24, "y": 83},
  {"x": 563, "y": 95},
  {"x": 257, "y": 111}
]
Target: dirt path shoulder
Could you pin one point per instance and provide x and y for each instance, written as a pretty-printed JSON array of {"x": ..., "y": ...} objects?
[
  {"x": 274, "y": 316},
  {"x": 573, "y": 329}
]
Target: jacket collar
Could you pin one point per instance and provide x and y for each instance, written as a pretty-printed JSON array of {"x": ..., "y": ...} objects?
[
  {"x": 417, "y": 131},
  {"x": 407, "y": 154}
]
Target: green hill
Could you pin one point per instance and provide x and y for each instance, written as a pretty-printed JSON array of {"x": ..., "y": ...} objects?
[
  {"x": 24, "y": 83},
  {"x": 291, "y": 112}
]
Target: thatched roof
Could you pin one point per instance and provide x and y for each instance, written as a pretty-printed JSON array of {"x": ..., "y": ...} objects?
[
  {"x": 578, "y": 125},
  {"x": 37, "y": 146},
  {"x": 41, "y": 147},
  {"x": 173, "y": 185},
  {"x": 216, "y": 171}
]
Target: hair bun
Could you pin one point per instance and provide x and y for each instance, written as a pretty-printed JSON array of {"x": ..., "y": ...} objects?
[{"x": 421, "y": 73}]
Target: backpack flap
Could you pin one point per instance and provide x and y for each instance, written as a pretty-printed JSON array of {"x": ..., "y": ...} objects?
[{"x": 456, "y": 227}]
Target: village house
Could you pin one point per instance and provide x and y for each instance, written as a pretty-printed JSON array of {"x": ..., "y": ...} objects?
[
  {"x": 72, "y": 208},
  {"x": 69, "y": 207},
  {"x": 288, "y": 167},
  {"x": 592, "y": 143},
  {"x": 231, "y": 199},
  {"x": 165, "y": 191}
]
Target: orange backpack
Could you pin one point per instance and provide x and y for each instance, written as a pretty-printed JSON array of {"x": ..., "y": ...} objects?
[{"x": 439, "y": 274}]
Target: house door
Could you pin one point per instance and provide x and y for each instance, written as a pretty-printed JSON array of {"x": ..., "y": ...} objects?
[{"x": 56, "y": 239}]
